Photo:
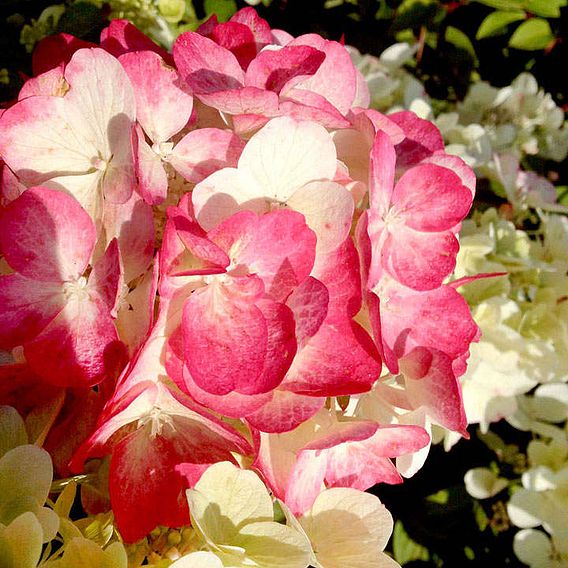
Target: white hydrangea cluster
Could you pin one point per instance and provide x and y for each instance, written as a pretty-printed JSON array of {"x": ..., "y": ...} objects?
[{"x": 523, "y": 314}]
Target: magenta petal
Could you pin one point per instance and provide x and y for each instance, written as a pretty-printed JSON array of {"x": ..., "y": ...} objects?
[
  {"x": 205, "y": 66},
  {"x": 232, "y": 404},
  {"x": 309, "y": 302},
  {"x": 419, "y": 260},
  {"x": 55, "y": 50},
  {"x": 431, "y": 198},
  {"x": 46, "y": 235},
  {"x": 27, "y": 308},
  {"x": 284, "y": 411},
  {"x": 431, "y": 382},
  {"x": 272, "y": 70},
  {"x": 238, "y": 39},
  {"x": 225, "y": 341},
  {"x": 339, "y": 359},
  {"x": 422, "y": 139},
  {"x": 257, "y": 25},
  {"x": 381, "y": 177}
]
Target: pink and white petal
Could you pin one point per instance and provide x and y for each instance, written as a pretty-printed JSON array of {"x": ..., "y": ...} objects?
[
  {"x": 122, "y": 37},
  {"x": 257, "y": 25},
  {"x": 27, "y": 308},
  {"x": 328, "y": 208},
  {"x": 275, "y": 70},
  {"x": 309, "y": 302},
  {"x": 150, "y": 173},
  {"x": 51, "y": 83},
  {"x": 56, "y": 50},
  {"x": 163, "y": 103},
  {"x": 339, "y": 359},
  {"x": 457, "y": 165},
  {"x": 422, "y": 139},
  {"x": 106, "y": 279},
  {"x": 80, "y": 347},
  {"x": 307, "y": 105},
  {"x": 340, "y": 93},
  {"x": 286, "y": 154},
  {"x": 281, "y": 37},
  {"x": 284, "y": 411},
  {"x": 445, "y": 320},
  {"x": 338, "y": 270},
  {"x": 202, "y": 152},
  {"x": 353, "y": 151},
  {"x": 246, "y": 100},
  {"x": 46, "y": 235},
  {"x": 306, "y": 479},
  {"x": 369, "y": 121},
  {"x": 419, "y": 260},
  {"x": 10, "y": 185},
  {"x": 35, "y": 141},
  {"x": 431, "y": 198},
  {"x": 223, "y": 194},
  {"x": 205, "y": 66},
  {"x": 233, "y": 404},
  {"x": 430, "y": 382},
  {"x": 278, "y": 247},
  {"x": 362, "y": 94},
  {"x": 225, "y": 341},
  {"x": 133, "y": 225},
  {"x": 381, "y": 179}
]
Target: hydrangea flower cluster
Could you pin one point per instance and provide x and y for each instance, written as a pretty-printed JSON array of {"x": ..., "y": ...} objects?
[{"x": 206, "y": 255}]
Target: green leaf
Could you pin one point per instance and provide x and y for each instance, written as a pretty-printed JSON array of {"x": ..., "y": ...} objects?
[
  {"x": 460, "y": 40},
  {"x": 532, "y": 35},
  {"x": 223, "y": 8},
  {"x": 545, "y": 8},
  {"x": 503, "y": 4},
  {"x": 404, "y": 548},
  {"x": 414, "y": 13},
  {"x": 496, "y": 23}
]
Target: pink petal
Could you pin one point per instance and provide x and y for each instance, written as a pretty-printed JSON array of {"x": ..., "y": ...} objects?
[
  {"x": 51, "y": 83},
  {"x": 430, "y": 382},
  {"x": 133, "y": 225},
  {"x": 80, "y": 347},
  {"x": 338, "y": 270},
  {"x": 27, "y": 308},
  {"x": 150, "y": 172},
  {"x": 278, "y": 247},
  {"x": 437, "y": 319},
  {"x": 273, "y": 70},
  {"x": 232, "y": 404},
  {"x": 309, "y": 302},
  {"x": 284, "y": 411},
  {"x": 225, "y": 341},
  {"x": 336, "y": 79},
  {"x": 46, "y": 235},
  {"x": 204, "y": 151},
  {"x": 457, "y": 165},
  {"x": 339, "y": 359},
  {"x": 163, "y": 103},
  {"x": 122, "y": 37},
  {"x": 258, "y": 26},
  {"x": 205, "y": 66},
  {"x": 105, "y": 280},
  {"x": 422, "y": 139},
  {"x": 306, "y": 481},
  {"x": 300, "y": 104},
  {"x": 419, "y": 260},
  {"x": 381, "y": 179},
  {"x": 246, "y": 100},
  {"x": 431, "y": 198}
]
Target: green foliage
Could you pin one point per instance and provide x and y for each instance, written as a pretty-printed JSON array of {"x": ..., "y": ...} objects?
[
  {"x": 497, "y": 22},
  {"x": 224, "y": 9},
  {"x": 532, "y": 35},
  {"x": 415, "y": 13},
  {"x": 460, "y": 40},
  {"x": 404, "y": 548}
]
